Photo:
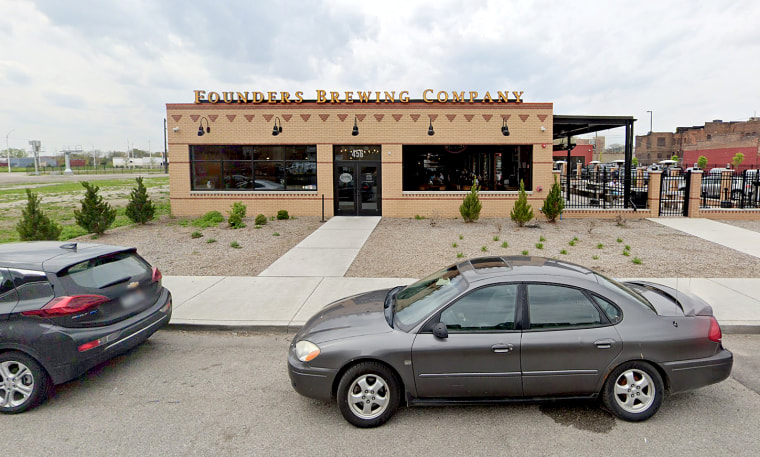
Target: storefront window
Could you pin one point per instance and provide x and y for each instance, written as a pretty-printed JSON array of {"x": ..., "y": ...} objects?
[
  {"x": 455, "y": 167},
  {"x": 253, "y": 168}
]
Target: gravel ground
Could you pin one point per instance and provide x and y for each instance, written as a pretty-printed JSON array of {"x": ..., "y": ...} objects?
[{"x": 414, "y": 248}]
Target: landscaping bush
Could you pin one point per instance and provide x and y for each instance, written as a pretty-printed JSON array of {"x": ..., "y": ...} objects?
[
  {"x": 261, "y": 220},
  {"x": 471, "y": 206},
  {"x": 34, "y": 224},
  {"x": 282, "y": 215},
  {"x": 236, "y": 217},
  {"x": 96, "y": 215},
  {"x": 553, "y": 205},
  {"x": 210, "y": 219},
  {"x": 522, "y": 212},
  {"x": 140, "y": 209}
]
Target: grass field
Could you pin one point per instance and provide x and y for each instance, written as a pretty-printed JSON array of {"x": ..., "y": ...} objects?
[{"x": 59, "y": 200}]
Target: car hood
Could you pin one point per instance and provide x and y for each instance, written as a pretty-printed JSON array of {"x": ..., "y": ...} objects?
[
  {"x": 357, "y": 315},
  {"x": 660, "y": 296}
]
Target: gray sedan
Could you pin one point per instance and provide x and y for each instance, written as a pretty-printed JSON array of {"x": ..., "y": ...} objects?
[{"x": 503, "y": 329}]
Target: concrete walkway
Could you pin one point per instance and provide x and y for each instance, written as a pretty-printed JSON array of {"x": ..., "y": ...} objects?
[{"x": 310, "y": 276}]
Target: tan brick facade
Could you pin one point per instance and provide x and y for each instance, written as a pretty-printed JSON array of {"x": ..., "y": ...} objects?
[{"x": 390, "y": 125}]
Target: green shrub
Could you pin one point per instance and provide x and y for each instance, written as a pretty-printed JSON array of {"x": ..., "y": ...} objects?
[
  {"x": 564, "y": 251},
  {"x": 541, "y": 238},
  {"x": 484, "y": 248},
  {"x": 600, "y": 246},
  {"x": 235, "y": 220},
  {"x": 525, "y": 253},
  {"x": 496, "y": 238},
  {"x": 140, "y": 209},
  {"x": 637, "y": 261},
  {"x": 210, "y": 219},
  {"x": 418, "y": 217},
  {"x": 276, "y": 234},
  {"x": 261, "y": 220},
  {"x": 34, "y": 224},
  {"x": 571, "y": 243},
  {"x": 471, "y": 206},
  {"x": 96, "y": 215},
  {"x": 235, "y": 245},
  {"x": 196, "y": 234},
  {"x": 459, "y": 255},
  {"x": 539, "y": 245},
  {"x": 211, "y": 240},
  {"x": 282, "y": 215},
  {"x": 453, "y": 245},
  {"x": 505, "y": 244},
  {"x": 522, "y": 212},
  {"x": 554, "y": 204}
]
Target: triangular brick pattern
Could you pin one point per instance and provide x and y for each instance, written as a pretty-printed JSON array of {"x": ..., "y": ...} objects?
[
  {"x": 487, "y": 117},
  {"x": 469, "y": 117},
  {"x": 542, "y": 117},
  {"x": 324, "y": 117},
  {"x": 506, "y": 116},
  {"x": 213, "y": 117},
  {"x": 231, "y": 117},
  {"x": 361, "y": 117},
  {"x": 398, "y": 117},
  {"x": 176, "y": 117},
  {"x": 195, "y": 117},
  {"x": 451, "y": 117},
  {"x": 268, "y": 117},
  {"x": 433, "y": 117},
  {"x": 305, "y": 117},
  {"x": 524, "y": 117},
  {"x": 414, "y": 117},
  {"x": 249, "y": 117},
  {"x": 287, "y": 117},
  {"x": 379, "y": 117},
  {"x": 342, "y": 117}
]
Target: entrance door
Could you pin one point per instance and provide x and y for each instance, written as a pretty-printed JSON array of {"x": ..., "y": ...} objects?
[{"x": 357, "y": 189}]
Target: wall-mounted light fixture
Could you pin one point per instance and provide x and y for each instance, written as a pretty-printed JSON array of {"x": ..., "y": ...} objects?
[
  {"x": 431, "y": 132},
  {"x": 277, "y": 130},
  {"x": 201, "y": 132},
  {"x": 543, "y": 129},
  {"x": 355, "y": 130},
  {"x": 175, "y": 129},
  {"x": 504, "y": 128}
]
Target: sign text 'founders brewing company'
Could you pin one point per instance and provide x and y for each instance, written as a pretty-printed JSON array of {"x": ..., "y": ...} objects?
[{"x": 333, "y": 97}]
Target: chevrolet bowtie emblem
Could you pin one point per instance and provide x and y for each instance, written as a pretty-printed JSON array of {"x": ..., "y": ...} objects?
[{"x": 132, "y": 285}]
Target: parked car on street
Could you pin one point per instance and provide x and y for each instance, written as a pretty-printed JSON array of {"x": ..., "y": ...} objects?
[
  {"x": 500, "y": 329},
  {"x": 725, "y": 187},
  {"x": 66, "y": 307}
]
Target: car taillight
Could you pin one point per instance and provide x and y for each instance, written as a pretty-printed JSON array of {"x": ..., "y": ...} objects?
[
  {"x": 63, "y": 306},
  {"x": 157, "y": 275},
  {"x": 714, "y": 334}
]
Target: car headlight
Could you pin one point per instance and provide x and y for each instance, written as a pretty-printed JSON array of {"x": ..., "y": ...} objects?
[{"x": 306, "y": 351}]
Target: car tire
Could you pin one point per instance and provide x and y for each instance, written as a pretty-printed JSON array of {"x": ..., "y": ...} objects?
[
  {"x": 368, "y": 394},
  {"x": 633, "y": 391},
  {"x": 23, "y": 383}
]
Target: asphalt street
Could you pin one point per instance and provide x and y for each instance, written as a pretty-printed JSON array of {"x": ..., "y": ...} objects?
[{"x": 222, "y": 393}]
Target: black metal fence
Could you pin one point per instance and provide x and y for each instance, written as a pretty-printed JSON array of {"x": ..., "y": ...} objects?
[
  {"x": 604, "y": 188},
  {"x": 727, "y": 190}
]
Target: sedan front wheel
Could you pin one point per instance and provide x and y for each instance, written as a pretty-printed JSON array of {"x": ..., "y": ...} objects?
[
  {"x": 368, "y": 394},
  {"x": 633, "y": 391}
]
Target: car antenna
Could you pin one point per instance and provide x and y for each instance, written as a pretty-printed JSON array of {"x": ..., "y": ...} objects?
[{"x": 71, "y": 246}]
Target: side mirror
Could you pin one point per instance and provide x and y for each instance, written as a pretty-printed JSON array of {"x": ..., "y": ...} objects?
[{"x": 440, "y": 330}]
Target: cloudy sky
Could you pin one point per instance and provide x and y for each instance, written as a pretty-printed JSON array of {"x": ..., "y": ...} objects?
[{"x": 98, "y": 73}]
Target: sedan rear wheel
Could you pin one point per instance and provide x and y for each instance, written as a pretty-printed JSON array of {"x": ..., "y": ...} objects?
[
  {"x": 633, "y": 391},
  {"x": 368, "y": 394},
  {"x": 23, "y": 383}
]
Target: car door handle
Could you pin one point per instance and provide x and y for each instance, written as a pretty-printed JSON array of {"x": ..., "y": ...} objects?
[
  {"x": 604, "y": 344},
  {"x": 502, "y": 348}
]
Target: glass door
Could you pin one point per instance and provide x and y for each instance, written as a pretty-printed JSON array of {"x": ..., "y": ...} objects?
[
  {"x": 369, "y": 190},
  {"x": 357, "y": 189},
  {"x": 345, "y": 189}
]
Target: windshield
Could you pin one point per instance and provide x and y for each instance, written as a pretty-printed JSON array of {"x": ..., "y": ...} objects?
[
  {"x": 418, "y": 300},
  {"x": 625, "y": 290}
]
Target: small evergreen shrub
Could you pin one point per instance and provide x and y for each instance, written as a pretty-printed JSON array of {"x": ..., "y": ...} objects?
[
  {"x": 34, "y": 224},
  {"x": 95, "y": 215},
  {"x": 471, "y": 206},
  {"x": 282, "y": 215},
  {"x": 235, "y": 220},
  {"x": 261, "y": 220},
  {"x": 554, "y": 204},
  {"x": 522, "y": 212},
  {"x": 140, "y": 209}
]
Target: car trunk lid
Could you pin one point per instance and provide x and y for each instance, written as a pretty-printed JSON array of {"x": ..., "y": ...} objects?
[{"x": 669, "y": 301}]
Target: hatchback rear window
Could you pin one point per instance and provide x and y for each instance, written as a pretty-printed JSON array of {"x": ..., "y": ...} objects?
[{"x": 103, "y": 272}]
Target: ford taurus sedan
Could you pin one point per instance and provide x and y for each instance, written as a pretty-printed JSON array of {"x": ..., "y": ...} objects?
[
  {"x": 66, "y": 307},
  {"x": 502, "y": 329}
]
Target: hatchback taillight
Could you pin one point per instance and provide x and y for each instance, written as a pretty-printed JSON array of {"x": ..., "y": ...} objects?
[
  {"x": 714, "y": 334},
  {"x": 157, "y": 275},
  {"x": 64, "y": 306}
]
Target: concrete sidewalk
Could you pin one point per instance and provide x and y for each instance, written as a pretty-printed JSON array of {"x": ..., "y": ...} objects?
[
  {"x": 737, "y": 238},
  {"x": 310, "y": 276}
]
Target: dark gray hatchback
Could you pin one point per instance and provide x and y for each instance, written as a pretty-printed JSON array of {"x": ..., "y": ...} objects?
[
  {"x": 508, "y": 329},
  {"x": 66, "y": 307}
]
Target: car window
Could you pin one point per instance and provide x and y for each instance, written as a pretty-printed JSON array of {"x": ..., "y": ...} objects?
[
  {"x": 613, "y": 312},
  {"x": 551, "y": 306},
  {"x": 32, "y": 286},
  {"x": 620, "y": 288},
  {"x": 101, "y": 272},
  {"x": 7, "y": 291},
  {"x": 486, "y": 309},
  {"x": 416, "y": 301}
]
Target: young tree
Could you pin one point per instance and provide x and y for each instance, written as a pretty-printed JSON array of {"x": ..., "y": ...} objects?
[
  {"x": 737, "y": 160},
  {"x": 96, "y": 215},
  {"x": 702, "y": 162},
  {"x": 634, "y": 162},
  {"x": 471, "y": 206},
  {"x": 140, "y": 209},
  {"x": 522, "y": 212},
  {"x": 34, "y": 224},
  {"x": 554, "y": 204}
]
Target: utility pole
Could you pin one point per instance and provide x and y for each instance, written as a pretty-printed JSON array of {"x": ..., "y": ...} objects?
[
  {"x": 166, "y": 164},
  {"x": 650, "y": 121},
  {"x": 8, "y": 149}
]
